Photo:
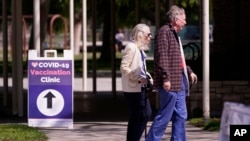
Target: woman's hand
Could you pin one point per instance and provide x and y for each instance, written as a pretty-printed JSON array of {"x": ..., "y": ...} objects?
[{"x": 143, "y": 81}]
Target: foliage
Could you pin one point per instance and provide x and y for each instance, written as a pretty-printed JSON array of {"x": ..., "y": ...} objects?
[
  {"x": 197, "y": 113},
  {"x": 124, "y": 10},
  {"x": 8, "y": 6},
  {"x": 199, "y": 122},
  {"x": 212, "y": 124},
  {"x": 62, "y": 7},
  {"x": 125, "y": 14},
  {"x": 20, "y": 132},
  {"x": 192, "y": 9}
]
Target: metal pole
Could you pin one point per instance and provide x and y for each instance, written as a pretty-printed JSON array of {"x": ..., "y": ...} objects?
[
  {"x": 71, "y": 17},
  {"x": 113, "y": 53},
  {"x": 20, "y": 59},
  {"x": 94, "y": 44},
  {"x": 205, "y": 46},
  {"x": 13, "y": 44},
  {"x": 17, "y": 95},
  {"x": 36, "y": 22},
  {"x": 5, "y": 54},
  {"x": 157, "y": 14},
  {"x": 84, "y": 43}
]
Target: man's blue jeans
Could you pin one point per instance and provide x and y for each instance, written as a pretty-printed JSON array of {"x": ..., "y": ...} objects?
[{"x": 172, "y": 107}]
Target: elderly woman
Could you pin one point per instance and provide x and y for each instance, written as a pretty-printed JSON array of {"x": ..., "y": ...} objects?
[{"x": 133, "y": 69}]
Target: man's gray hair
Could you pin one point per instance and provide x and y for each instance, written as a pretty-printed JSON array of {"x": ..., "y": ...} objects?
[{"x": 174, "y": 12}]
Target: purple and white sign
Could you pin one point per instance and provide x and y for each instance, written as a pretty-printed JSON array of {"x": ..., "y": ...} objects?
[{"x": 50, "y": 92}]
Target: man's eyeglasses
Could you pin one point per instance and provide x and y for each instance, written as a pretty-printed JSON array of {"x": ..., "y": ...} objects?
[{"x": 183, "y": 20}]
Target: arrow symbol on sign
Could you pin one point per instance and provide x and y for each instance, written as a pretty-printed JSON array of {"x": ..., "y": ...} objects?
[{"x": 49, "y": 97}]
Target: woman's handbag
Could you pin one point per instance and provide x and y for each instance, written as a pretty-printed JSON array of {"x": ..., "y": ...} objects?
[{"x": 149, "y": 82}]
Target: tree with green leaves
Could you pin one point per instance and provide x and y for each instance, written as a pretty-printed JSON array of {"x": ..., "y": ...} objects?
[{"x": 125, "y": 17}]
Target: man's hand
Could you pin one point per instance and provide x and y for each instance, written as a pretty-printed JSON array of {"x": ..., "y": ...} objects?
[
  {"x": 167, "y": 85},
  {"x": 194, "y": 78}
]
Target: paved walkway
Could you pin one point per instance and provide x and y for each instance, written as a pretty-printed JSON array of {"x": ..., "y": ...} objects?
[
  {"x": 116, "y": 131},
  {"x": 100, "y": 117}
]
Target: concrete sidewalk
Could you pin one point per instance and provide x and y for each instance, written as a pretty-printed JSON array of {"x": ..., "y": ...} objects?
[{"x": 116, "y": 131}]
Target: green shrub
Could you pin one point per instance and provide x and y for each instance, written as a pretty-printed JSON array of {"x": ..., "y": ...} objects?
[
  {"x": 212, "y": 124},
  {"x": 197, "y": 113},
  {"x": 199, "y": 122}
]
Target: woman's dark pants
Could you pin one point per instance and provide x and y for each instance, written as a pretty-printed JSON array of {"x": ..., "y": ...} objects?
[{"x": 139, "y": 111}]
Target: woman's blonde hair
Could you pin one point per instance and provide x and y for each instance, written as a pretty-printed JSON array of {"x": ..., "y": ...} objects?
[{"x": 138, "y": 36}]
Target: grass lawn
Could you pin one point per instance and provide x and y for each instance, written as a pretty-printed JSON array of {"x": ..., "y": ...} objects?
[{"x": 20, "y": 132}]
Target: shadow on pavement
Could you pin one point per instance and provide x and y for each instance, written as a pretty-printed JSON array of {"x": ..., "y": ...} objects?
[{"x": 102, "y": 106}]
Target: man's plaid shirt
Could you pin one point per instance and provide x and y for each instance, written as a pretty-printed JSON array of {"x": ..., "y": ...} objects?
[{"x": 167, "y": 59}]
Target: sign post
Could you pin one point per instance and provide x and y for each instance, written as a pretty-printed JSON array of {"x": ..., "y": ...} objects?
[{"x": 50, "y": 90}]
